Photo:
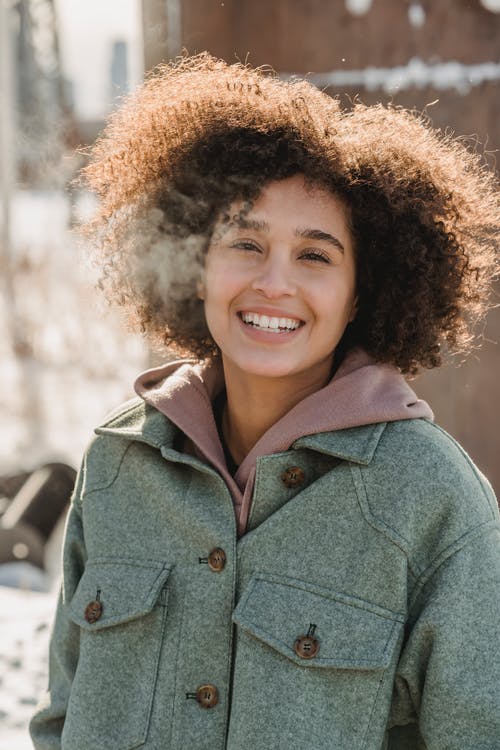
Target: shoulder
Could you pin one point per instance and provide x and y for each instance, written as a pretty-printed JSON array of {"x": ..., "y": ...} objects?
[
  {"x": 137, "y": 420},
  {"x": 422, "y": 488},
  {"x": 425, "y": 451},
  {"x": 133, "y": 422},
  {"x": 126, "y": 409},
  {"x": 422, "y": 448}
]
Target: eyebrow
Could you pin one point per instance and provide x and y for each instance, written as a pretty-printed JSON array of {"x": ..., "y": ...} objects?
[
  {"x": 306, "y": 234},
  {"x": 259, "y": 226},
  {"x": 320, "y": 236}
]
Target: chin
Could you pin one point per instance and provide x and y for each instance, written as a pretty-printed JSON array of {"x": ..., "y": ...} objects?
[{"x": 263, "y": 369}]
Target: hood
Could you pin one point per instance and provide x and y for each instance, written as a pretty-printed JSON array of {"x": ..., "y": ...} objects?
[{"x": 361, "y": 392}]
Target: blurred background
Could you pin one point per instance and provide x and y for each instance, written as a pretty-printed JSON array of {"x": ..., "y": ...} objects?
[{"x": 66, "y": 359}]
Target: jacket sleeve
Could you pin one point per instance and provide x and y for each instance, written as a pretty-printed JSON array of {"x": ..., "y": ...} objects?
[
  {"x": 447, "y": 686},
  {"x": 47, "y": 723}
]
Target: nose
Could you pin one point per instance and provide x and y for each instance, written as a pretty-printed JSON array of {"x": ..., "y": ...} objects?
[{"x": 274, "y": 279}]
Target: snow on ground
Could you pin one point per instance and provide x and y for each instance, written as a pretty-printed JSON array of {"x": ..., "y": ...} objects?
[
  {"x": 25, "y": 619},
  {"x": 28, "y": 599},
  {"x": 78, "y": 364}
]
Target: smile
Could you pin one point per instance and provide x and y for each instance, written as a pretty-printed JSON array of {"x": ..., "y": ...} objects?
[{"x": 270, "y": 324}]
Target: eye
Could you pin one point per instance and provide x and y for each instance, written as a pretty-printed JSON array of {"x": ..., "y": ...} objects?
[
  {"x": 315, "y": 255},
  {"x": 246, "y": 245}
]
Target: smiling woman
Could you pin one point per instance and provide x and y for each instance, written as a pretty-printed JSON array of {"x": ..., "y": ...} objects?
[
  {"x": 278, "y": 298},
  {"x": 276, "y": 523}
]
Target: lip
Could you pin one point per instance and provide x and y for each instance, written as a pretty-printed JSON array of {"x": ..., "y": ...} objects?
[{"x": 271, "y": 312}]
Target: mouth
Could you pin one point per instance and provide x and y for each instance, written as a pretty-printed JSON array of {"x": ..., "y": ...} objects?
[{"x": 270, "y": 324}]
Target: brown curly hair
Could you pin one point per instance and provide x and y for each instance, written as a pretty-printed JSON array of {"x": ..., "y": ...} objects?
[{"x": 200, "y": 134}]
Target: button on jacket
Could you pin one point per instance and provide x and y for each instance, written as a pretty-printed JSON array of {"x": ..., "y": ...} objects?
[{"x": 360, "y": 611}]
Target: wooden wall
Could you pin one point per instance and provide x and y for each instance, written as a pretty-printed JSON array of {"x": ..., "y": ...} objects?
[{"x": 324, "y": 37}]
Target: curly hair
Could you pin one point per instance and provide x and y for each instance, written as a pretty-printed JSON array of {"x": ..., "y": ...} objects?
[{"x": 201, "y": 134}]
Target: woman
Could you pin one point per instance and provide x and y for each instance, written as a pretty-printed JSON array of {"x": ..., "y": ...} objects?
[{"x": 273, "y": 546}]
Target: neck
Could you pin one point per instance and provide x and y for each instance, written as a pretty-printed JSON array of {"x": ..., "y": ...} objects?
[{"x": 255, "y": 403}]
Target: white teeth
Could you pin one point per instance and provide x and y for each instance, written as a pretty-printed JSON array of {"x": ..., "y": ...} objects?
[{"x": 271, "y": 324}]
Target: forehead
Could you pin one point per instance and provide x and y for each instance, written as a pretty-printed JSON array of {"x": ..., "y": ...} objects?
[{"x": 292, "y": 202}]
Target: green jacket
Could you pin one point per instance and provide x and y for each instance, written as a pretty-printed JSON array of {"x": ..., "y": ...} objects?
[{"x": 359, "y": 611}]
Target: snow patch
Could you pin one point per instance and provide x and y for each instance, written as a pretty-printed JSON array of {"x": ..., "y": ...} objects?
[
  {"x": 415, "y": 74},
  {"x": 23, "y": 575},
  {"x": 416, "y": 15},
  {"x": 358, "y": 7},
  {"x": 492, "y": 5},
  {"x": 25, "y": 620}
]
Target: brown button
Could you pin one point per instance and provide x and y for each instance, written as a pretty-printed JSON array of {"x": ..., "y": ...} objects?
[
  {"x": 207, "y": 696},
  {"x": 217, "y": 560},
  {"x": 293, "y": 476},
  {"x": 93, "y": 611},
  {"x": 306, "y": 646}
]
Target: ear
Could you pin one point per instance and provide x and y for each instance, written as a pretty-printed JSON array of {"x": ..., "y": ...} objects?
[{"x": 354, "y": 309}]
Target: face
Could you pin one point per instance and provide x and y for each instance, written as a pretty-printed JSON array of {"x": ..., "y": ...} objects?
[{"x": 280, "y": 282}]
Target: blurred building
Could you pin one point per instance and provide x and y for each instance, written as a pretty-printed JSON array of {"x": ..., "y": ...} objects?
[
  {"x": 39, "y": 109},
  {"x": 119, "y": 69},
  {"x": 437, "y": 56},
  {"x": 413, "y": 52}
]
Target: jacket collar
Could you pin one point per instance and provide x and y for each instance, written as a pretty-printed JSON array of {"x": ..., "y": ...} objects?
[
  {"x": 136, "y": 420},
  {"x": 139, "y": 421},
  {"x": 356, "y": 444}
]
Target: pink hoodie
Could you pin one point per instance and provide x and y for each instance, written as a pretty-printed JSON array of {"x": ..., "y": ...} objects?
[{"x": 361, "y": 392}]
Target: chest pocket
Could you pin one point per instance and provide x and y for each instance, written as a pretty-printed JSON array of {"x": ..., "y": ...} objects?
[
  {"x": 318, "y": 658},
  {"x": 120, "y": 608}
]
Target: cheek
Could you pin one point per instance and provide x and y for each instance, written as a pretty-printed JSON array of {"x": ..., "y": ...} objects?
[
  {"x": 211, "y": 283},
  {"x": 222, "y": 282},
  {"x": 337, "y": 300},
  {"x": 217, "y": 296}
]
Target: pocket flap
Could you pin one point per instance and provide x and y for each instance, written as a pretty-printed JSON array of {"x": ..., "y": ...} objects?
[
  {"x": 352, "y": 633},
  {"x": 124, "y": 588}
]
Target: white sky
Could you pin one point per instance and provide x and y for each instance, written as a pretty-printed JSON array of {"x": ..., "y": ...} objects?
[{"x": 87, "y": 30}]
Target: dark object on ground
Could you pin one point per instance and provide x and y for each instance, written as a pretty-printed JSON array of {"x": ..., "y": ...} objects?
[
  {"x": 41, "y": 500},
  {"x": 21, "y": 543},
  {"x": 11, "y": 484},
  {"x": 9, "y": 487}
]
